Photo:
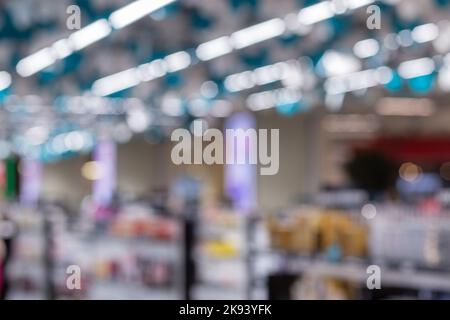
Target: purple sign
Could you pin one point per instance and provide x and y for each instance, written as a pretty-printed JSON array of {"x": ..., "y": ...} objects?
[
  {"x": 31, "y": 181},
  {"x": 241, "y": 179},
  {"x": 104, "y": 187}
]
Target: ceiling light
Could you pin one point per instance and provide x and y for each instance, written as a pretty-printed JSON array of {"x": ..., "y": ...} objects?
[
  {"x": 366, "y": 48},
  {"x": 90, "y": 34},
  {"x": 355, "y": 4},
  {"x": 416, "y": 68},
  {"x": 62, "y": 48},
  {"x": 35, "y": 62},
  {"x": 116, "y": 82},
  {"x": 5, "y": 80},
  {"x": 258, "y": 33},
  {"x": 316, "y": 13},
  {"x": 178, "y": 61},
  {"x": 214, "y": 48},
  {"x": 425, "y": 33},
  {"x": 334, "y": 63},
  {"x": 135, "y": 11}
]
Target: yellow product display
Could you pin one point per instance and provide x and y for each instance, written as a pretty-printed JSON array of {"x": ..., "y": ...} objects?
[
  {"x": 355, "y": 241},
  {"x": 338, "y": 228},
  {"x": 305, "y": 233},
  {"x": 308, "y": 231},
  {"x": 297, "y": 233},
  {"x": 313, "y": 288},
  {"x": 220, "y": 249},
  {"x": 101, "y": 270}
]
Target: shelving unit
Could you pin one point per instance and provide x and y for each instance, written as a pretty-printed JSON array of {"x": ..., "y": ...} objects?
[
  {"x": 357, "y": 272},
  {"x": 27, "y": 269},
  {"x": 126, "y": 263},
  {"x": 221, "y": 257},
  {"x": 141, "y": 269}
]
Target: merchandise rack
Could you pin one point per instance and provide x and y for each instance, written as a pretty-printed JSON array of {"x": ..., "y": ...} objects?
[
  {"x": 28, "y": 268},
  {"x": 356, "y": 272},
  {"x": 95, "y": 251},
  {"x": 100, "y": 248}
]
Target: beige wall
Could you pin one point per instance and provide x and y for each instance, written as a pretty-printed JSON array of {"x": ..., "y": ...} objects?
[
  {"x": 143, "y": 167},
  {"x": 62, "y": 181},
  {"x": 278, "y": 191}
]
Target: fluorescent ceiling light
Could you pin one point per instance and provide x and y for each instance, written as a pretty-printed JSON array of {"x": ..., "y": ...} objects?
[
  {"x": 416, "y": 68},
  {"x": 425, "y": 33},
  {"x": 238, "y": 40},
  {"x": 158, "y": 68},
  {"x": 5, "y": 80},
  {"x": 135, "y": 11},
  {"x": 90, "y": 34},
  {"x": 261, "y": 101},
  {"x": 221, "y": 109},
  {"x": 442, "y": 43},
  {"x": 269, "y": 99},
  {"x": 35, "y": 62},
  {"x": 37, "y": 135},
  {"x": 178, "y": 61},
  {"x": 384, "y": 75},
  {"x": 214, "y": 48},
  {"x": 362, "y": 80},
  {"x": 143, "y": 73},
  {"x": 260, "y": 76},
  {"x": 316, "y": 13},
  {"x": 62, "y": 48},
  {"x": 116, "y": 82},
  {"x": 258, "y": 33},
  {"x": 444, "y": 79},
  {"x": 366, "y": 48},
  {"x": 355, "y": 4},
  {"x": 240, "y": 81},
  {"x": 356, "y": 81},
  {"x": 172, "y": 106},
  {"x": 153, "y": 70},
  {"x": 335, "y": 63},
  {"x": 271, "y": 73}
]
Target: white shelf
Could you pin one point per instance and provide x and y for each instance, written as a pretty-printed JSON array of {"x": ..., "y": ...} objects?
[
  {"x": 357, "y": 272},
  {"x": 208, "y": 292},
  {"x": 109, "y": 290}
]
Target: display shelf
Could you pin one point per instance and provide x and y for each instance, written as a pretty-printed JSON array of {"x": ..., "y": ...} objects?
[
  {"x": 20, "y": 295},
  {"x": 210, "y": 292},
  {"x": 120, "y": 290},
  {"x": 126, "y": 263},
  {"x": 357, "y": 272},
  {"x": 221, "y": 253},
  {"x": 27, "y": 272}
]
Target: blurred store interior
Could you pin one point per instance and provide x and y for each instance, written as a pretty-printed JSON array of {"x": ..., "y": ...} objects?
[{"x": 358, "y": 90}]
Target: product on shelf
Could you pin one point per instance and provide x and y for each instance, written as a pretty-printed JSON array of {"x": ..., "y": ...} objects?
[
  {"x": 309, "y": 230},
  {"x": 406, "y": 235},
  {"x": 296, "y": 231},
  {"x": 149, "y": 227},
  {"x": 340, "y": 229},
  {"x": 316, "y": 288},
  {"x": 26, "y": 271},
  {"x": 221, "y": 255},
  {"x": 133, "y": 255}
]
